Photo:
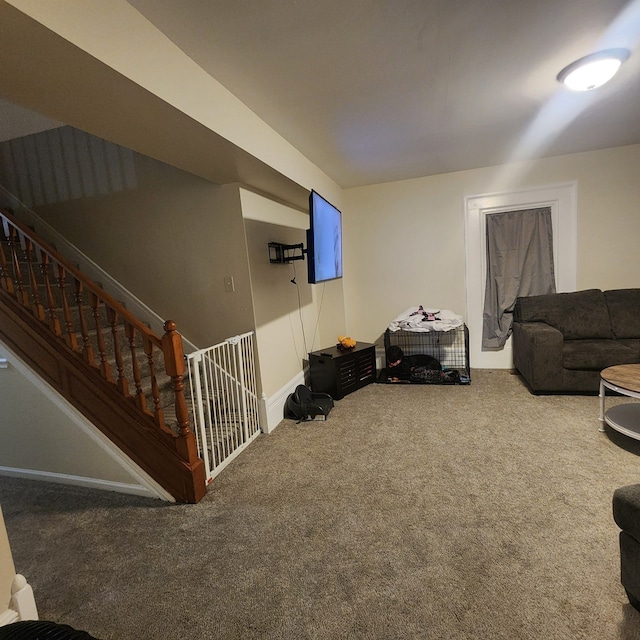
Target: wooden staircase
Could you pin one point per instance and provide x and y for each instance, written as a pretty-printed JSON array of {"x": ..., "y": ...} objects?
[{"x": 124, "y": 378}]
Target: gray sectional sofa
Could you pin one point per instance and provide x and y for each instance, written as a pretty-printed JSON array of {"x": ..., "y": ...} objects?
[{"x": 562, "y": 341}]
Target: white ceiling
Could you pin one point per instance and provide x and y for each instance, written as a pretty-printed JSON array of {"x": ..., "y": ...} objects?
[{"x": 379, "y": 90}]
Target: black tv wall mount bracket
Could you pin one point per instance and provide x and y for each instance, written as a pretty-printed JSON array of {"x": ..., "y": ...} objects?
[{"x": 284, "y": 253}]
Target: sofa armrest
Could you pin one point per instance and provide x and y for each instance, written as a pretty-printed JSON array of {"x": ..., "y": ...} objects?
[
  {"x": 626, "y": 509},
  {"x": 537, "y": 354}
]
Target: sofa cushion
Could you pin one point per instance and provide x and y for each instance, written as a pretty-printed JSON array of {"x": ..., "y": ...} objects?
[
  {"x": 596, "y": 354},
  {"x": 624, "y": 311},
  {"x": 633, "y": 344},
  {"x": 578, "y": 315}
]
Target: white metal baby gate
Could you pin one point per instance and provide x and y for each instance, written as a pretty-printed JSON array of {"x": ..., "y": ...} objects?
[{"x": 224, "y": 401}]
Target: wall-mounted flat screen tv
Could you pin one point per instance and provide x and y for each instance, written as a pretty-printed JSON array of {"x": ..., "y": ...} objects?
[{"x": 324, "y": 240}]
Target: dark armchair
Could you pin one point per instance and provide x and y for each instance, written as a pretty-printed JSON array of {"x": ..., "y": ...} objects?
[{"x": 626, "y": 513}]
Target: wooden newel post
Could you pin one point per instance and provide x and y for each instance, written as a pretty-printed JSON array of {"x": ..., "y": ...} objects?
[{"x": 175, "y": 368}]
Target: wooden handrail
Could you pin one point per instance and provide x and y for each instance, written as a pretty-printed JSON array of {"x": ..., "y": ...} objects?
[{"x": 109, "y": 322}]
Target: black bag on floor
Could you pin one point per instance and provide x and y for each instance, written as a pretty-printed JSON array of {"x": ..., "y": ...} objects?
[
  {"x": 303, "y": 404},
  {"x": 41, "y": 630}
]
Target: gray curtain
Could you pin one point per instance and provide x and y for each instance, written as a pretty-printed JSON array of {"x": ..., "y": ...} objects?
[{"x": 519, "y": 263}]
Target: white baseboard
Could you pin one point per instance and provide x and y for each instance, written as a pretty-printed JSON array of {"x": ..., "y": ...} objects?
[
  {"x": 79, "y": 481},
  {"x": 273, "y": 406},
  {"x": 22, "y": 599},
  {"x": 9, "y": 617},
  {"x": 22, "y": 604}
]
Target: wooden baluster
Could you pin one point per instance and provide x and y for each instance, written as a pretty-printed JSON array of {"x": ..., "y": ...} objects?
[
  {"x": 105, "y": 368},
  {"x": 87, "y": 349},
  {"x": 54, "y": 323},
  {"x": 121, "y": 382},
  {"x": 38, "y": 309},
  {"x": 70, "y": 336},
  {"x": 14, "y": 244},
  {"x": 5, "y": 275},
  {"x": 155, "y": 392},
  {"x": 175, "y": 368},
  {"x": 130, "y": 332}
]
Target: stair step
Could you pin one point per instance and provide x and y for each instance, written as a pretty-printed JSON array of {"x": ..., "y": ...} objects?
[
  {"x": 87, "y": 312},
  {"x": 144, "y": 367},
  {"x": 123, "y": 343}
]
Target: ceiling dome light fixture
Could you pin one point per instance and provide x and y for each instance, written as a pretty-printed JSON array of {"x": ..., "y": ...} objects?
[{"x": 593, "y": 70}]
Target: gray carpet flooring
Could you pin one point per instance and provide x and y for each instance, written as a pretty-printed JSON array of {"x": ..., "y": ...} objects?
[{"x": 459, "y": 512}]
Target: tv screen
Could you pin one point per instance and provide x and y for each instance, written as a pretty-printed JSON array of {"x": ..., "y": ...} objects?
[{"x": 324, "y": 240}]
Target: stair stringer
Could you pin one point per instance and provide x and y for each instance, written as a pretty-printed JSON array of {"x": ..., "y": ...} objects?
[
  {"x": 101, "y": 403},
  {"x": 142, "y": 484}
]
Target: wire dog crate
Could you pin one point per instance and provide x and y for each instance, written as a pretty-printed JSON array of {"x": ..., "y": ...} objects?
[{"x": 449, "y": 348}]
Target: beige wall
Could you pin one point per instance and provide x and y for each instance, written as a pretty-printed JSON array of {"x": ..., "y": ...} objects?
[
  {"x": 291, "y": 320},
  {"x": 406, "y": 245},
  {"x": 37, "y": 435},
  {"x": 7, "y": 570},
  {"x": 170, "y": 238}
]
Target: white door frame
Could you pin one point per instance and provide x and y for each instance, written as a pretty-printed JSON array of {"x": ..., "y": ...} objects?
[{"x": 562, "y": 199}]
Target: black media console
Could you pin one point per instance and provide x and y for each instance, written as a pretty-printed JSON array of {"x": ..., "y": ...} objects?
[{"x": 341, "y": 371}]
